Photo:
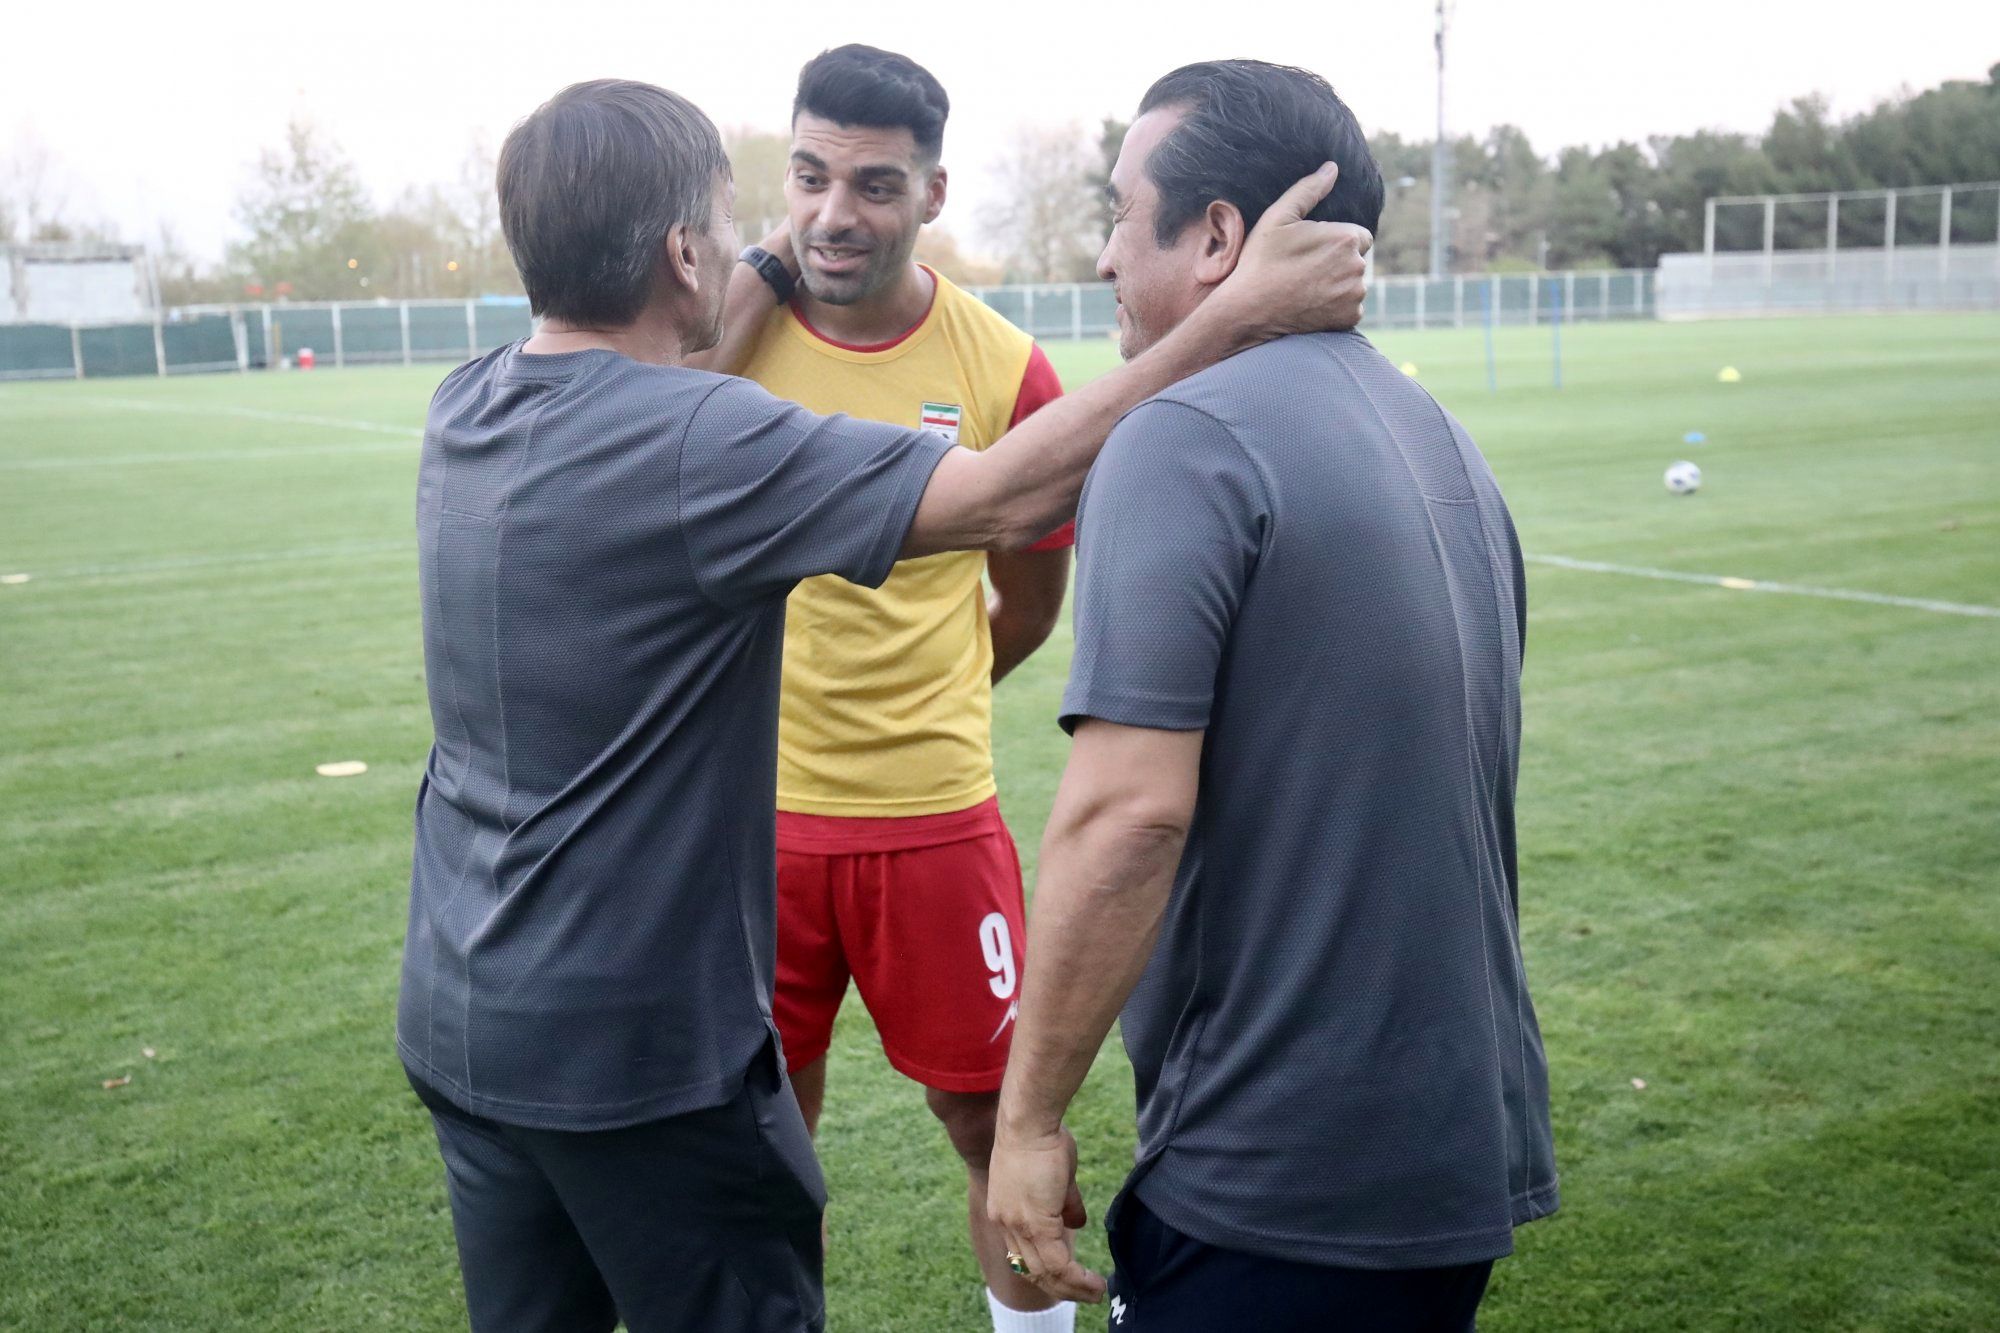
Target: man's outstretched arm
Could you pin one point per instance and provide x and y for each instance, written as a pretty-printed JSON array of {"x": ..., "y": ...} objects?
[
  {"x": 1108, "y": 858},
  {"x": 1295, "y": 276}
]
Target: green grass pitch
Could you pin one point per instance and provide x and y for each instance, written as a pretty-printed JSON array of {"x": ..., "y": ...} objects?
[{"x": 1760, "y": 851}]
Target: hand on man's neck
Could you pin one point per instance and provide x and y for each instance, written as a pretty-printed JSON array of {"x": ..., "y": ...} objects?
[{"x": 882, "y": 318}]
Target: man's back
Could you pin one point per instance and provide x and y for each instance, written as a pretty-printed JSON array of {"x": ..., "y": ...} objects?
[
  {"x": 605, "y": 549},
  {"x": 1337, "y": 1061}
]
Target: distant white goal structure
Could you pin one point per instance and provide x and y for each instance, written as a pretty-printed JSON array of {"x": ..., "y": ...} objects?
[{"x": 1925, "y": 247}]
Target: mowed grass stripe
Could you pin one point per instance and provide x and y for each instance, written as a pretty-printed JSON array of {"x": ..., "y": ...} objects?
[{"x": 195, "y": 563}]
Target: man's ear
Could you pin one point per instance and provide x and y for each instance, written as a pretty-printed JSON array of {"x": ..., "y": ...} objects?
[
  {"x": 1222, "y": 233},
  {"x": 680, "y": 259},
  {"x": 934, "y": 191}
]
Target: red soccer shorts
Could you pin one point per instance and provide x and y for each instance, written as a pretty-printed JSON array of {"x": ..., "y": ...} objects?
[{"x": 925, "y": 914}]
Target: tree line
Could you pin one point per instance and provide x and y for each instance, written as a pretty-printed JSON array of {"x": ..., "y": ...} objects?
[
  {"x": 1622, "y": 206},
  {"x": 309, "y": 229}
]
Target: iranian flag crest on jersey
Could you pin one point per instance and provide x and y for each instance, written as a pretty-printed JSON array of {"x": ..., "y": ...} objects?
[{"x": 942, "y": 418}]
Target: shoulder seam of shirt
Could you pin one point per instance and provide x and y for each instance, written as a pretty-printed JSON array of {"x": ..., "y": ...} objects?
[
  {"x": 1162, "y": 399},
  {"x": 680, "y": 518}
]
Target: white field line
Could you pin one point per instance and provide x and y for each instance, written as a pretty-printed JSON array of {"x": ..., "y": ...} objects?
[
  {"x": 1761, "y": 585},
  {"x": 403, "y": 434},
  {"x": 201, "y": 456},
  {"x": 175, "y": 564},
  {"x": 255, "y": 414}
]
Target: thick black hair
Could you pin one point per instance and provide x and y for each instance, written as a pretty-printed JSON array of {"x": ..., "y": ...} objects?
[
  {"x": 868, "y": 87},
  {"x": 591, "y": 183},
  {"x": 1251, "y": 130}
]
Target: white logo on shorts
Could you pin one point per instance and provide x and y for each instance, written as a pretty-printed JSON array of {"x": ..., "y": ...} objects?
[
  {"x": 1118, "y": 1309},
  {"x": 1013, "y": 1012}
]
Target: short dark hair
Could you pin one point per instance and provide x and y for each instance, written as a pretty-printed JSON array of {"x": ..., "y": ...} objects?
[
  {"x": 875, "y": 89},
  {"x": 591, "y": 183},
  {"x": 1250, "y": 131}
]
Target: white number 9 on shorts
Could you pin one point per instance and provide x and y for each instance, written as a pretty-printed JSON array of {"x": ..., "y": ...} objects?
[{"x": 996, "y": 942}]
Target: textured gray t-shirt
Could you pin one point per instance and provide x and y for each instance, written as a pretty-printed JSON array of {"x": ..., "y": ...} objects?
[
  {"x": 1337, "y": 1062},
  {"x": 605, "y": 548}
]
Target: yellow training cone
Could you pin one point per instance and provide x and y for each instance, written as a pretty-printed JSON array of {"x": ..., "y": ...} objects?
[{"x": 1729, "y": 375}]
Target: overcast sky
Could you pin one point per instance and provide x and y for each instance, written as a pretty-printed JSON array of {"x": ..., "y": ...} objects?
[{"x": 155, "y": 112}]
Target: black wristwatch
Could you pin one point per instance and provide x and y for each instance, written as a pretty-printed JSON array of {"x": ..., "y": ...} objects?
[{"x": 772, "y": 270}]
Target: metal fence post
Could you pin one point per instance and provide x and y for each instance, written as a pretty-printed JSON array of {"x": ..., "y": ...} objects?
[
  {"x": 1458, "y": 301},
  {"x": 403, "y": 313},
  {"x": 1076, "y": 311},
  {"x": 1770, "y": 244},
  {"x": 241, "y": 337},
  {"x": 1569, "y": 295},
  {"x": 1889, "y": 250},
  {"x": 1028, "y": 311},
  {"x": 338, "y": 359},
  {"x": 1944, "y": 237},
  {"x": 1534, "y": 300},
  {"x": 159, "y": 345},
  {"x": 271, "y": 357},
  {"x": 471, "y": 332},
  {"x": 76, "y": 348},
  {"x": 1604, "y": 296},
  {"x": 1708, "y": 237}
]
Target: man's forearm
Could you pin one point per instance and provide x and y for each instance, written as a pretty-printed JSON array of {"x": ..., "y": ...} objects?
[
  {"x": 1015, "y": 639},
  {"x": 747, "y": 305},
  {"x": 1099, "y": 898},
  {"x": 1026, "y": 603}
]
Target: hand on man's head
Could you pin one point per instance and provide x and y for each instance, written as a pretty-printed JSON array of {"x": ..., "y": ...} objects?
[{"x": 1299, "y": 276}]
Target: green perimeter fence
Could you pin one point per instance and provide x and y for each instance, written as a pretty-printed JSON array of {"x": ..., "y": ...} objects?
[
  {"x": 258, "y": 337},
  {"x": 216, "y": 338}
]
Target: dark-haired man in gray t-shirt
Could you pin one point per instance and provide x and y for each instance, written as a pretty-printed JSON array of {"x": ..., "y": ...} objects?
[
  {"x": 606, "y": 537},
  {"x": 1286, "y": 831}
]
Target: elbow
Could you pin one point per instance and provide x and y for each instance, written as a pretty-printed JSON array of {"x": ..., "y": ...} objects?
[
  {"x": 1162, "y": 827},
  {"x": 1134, "y": 832},
  {"x": 1016, "y": 533}
]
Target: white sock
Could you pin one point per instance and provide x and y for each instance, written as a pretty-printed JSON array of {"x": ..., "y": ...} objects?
[{"x": 1059, "y": 1318}]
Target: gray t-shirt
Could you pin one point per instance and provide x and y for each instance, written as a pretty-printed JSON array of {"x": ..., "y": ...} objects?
[
  {"x": 1336, "y": 1058},
  {"x": 605, "y": 548}
]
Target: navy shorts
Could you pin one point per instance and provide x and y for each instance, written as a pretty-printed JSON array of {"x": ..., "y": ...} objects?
[
  {"x": 1164, "y": 1281},
  {"x": 707, "y": 1222}
]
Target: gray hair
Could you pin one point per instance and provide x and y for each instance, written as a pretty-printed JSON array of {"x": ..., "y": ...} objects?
[{"x": 591, "y": 184}]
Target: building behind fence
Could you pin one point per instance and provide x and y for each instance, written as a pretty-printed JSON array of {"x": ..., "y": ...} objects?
[{"x": 63, "y": 280}]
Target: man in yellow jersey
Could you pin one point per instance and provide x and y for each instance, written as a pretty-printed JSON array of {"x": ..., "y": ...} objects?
[{"x": 894, "y": 867}]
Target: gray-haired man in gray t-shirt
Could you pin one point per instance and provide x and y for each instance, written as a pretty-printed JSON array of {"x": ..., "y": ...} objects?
[
  {"x": 606, "y": 537},
  {"x": 1286, "y": 831}
]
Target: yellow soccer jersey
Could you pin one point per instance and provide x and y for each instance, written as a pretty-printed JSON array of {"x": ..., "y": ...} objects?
[{"x": 888, "y": 702}]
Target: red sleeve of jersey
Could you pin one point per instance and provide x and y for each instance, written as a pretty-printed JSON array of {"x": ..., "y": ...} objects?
[{"x": 1040, "y": 387}]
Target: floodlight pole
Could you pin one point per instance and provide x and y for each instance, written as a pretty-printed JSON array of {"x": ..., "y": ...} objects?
[{"x": 1439, "y": 183}]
